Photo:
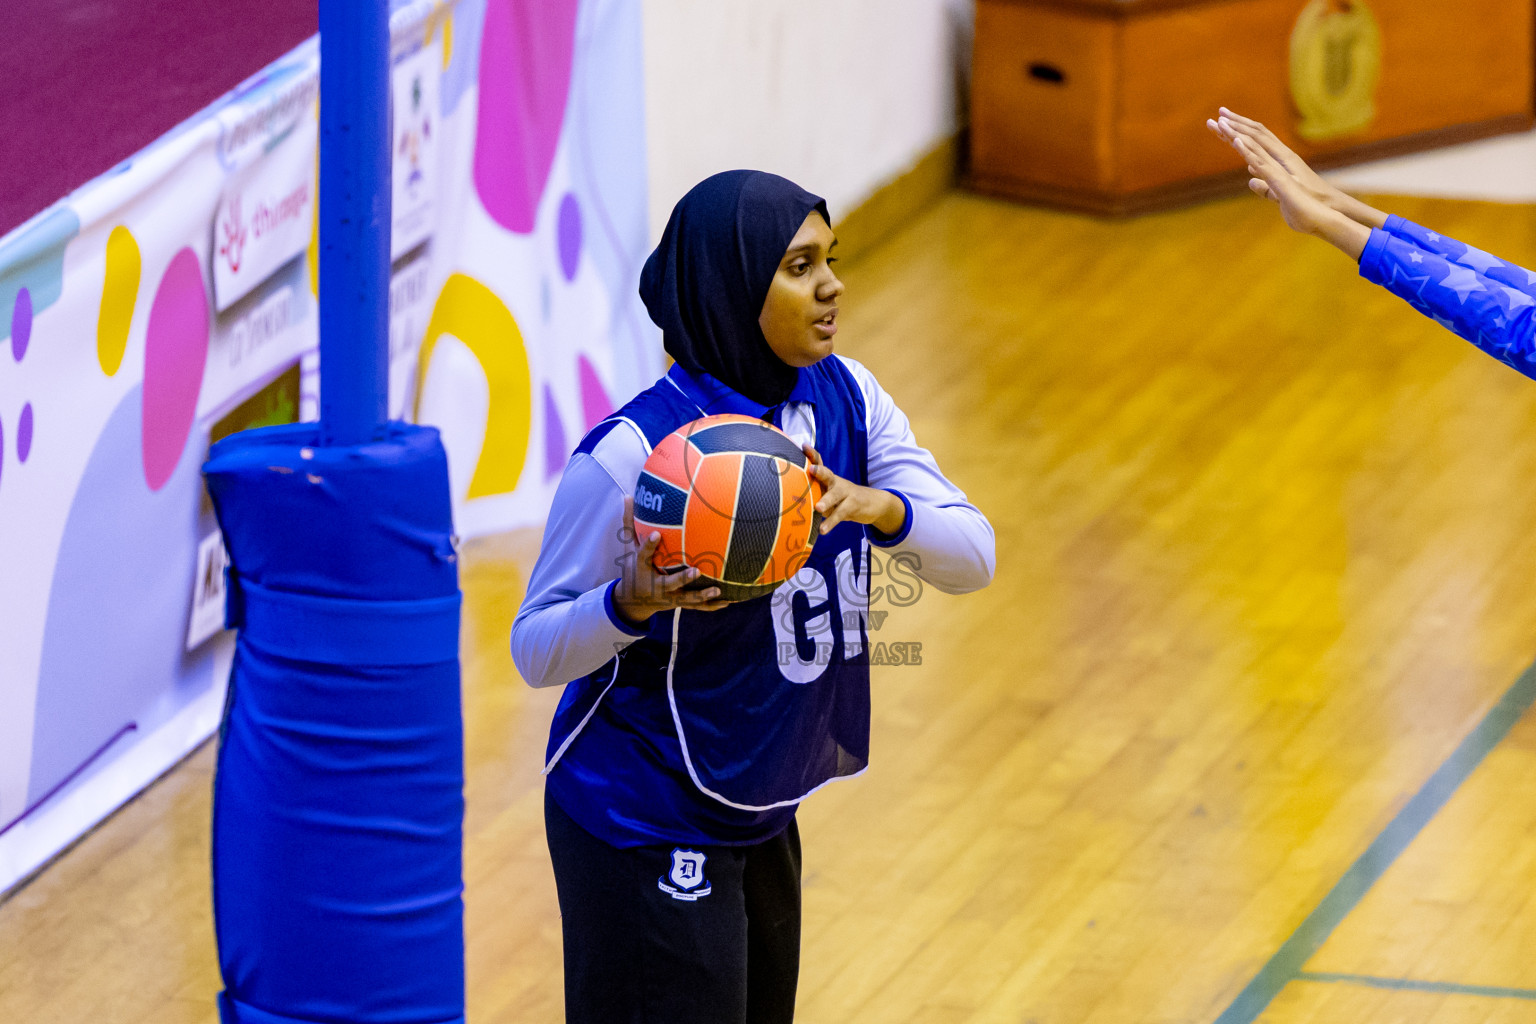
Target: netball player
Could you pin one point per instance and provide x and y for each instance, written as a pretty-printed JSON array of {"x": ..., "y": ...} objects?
[
  {"x": 1481, "y": 298},
  {"x": 691, "y": 728}
]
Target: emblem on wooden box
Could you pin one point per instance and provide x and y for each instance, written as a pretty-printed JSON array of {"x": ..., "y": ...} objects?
[{"x": 1335, "y": 66}]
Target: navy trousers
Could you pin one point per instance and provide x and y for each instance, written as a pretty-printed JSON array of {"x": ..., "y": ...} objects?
[{"x": 677, "y": 935}]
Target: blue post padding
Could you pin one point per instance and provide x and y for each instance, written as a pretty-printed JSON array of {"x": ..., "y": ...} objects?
[{"x": 338, "y": 803}]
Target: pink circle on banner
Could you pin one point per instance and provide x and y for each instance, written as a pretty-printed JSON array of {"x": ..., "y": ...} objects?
[
  {"x": 175, "y": 353},
  {"x": 594, "y": 400},
  {"x": 526, "y": 50}
]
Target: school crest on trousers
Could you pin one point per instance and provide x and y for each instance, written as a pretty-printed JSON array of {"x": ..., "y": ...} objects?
[{"x": 686, "y": 880}]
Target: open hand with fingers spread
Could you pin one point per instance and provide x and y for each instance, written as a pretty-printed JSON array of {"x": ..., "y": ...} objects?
[
  {"x": 644, "y": 590},
  {"x": 1308, "y": 203},
  {"x": 844, "y": 500}
]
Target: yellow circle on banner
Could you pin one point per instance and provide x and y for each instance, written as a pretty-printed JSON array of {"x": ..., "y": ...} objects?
[
  {"x": 472, "y": 313},
  {"x": 1335, "y": 67},
  {"x": 119, "y": 295},
  {"x": 447, "y": 39}
]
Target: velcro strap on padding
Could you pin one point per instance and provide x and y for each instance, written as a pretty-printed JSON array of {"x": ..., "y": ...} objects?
[{"x": 344, "y": 631}]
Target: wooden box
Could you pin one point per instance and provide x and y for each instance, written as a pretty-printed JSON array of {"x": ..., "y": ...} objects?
[{"x": 1100, "y": 105}]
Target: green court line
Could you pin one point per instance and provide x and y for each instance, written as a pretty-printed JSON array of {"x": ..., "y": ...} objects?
[
  {"x": 1409, "y": 985},
  {"x": 1285, "y": 966}
]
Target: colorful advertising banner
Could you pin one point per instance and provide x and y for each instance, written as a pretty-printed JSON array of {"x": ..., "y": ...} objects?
[{"x": 172, "y": 302}]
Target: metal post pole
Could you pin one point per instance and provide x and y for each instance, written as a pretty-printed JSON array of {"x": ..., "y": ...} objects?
[{"x": 354, "y": 222}]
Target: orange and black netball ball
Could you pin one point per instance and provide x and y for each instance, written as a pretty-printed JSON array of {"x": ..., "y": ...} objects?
[{"x": 732, "y": 497}]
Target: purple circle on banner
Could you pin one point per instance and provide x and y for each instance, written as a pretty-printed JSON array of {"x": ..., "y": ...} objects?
[
  {"x": 175, "y": 352},
  {"x": 570, "y": 235},
  {"x": 24, "y": 433},
  {"x": 595, "y": 404},
  {"x": 21, "y": 324},
  {"x": 554, "y": 437}
]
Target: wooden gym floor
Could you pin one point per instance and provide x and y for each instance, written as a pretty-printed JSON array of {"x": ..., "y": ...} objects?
[{"x": 1266, "y": 571}]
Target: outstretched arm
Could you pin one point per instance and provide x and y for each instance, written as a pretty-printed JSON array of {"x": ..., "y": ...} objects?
[
  {"x": 1495, "y": 317},
  {"x": 1230, "y": 126},
  {"x": 1490, "y": 267},
  {"x": 1305, "y": 200},
  {"x": 1478, "y": 297}
]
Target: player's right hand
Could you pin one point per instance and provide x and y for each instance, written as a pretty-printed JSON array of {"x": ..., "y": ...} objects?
[
  {"x": 644, "y": 590},
  {"x": 1278, "y": 174},
  {"x": 1230, "y": 126},
  {"x": 1307, "y": 202}
]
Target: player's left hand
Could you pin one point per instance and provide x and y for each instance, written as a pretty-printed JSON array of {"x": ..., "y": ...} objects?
[{"x": 850, "y": 502}]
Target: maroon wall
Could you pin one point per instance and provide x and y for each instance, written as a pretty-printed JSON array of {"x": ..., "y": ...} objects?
[{"x": 84, "y": 84}]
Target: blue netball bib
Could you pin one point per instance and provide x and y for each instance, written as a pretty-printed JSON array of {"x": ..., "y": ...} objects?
[{"x": 769, "y": 698}]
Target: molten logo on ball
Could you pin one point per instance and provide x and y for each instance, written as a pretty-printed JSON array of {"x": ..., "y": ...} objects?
[
  {"x": 647, "y": 499},
  {"x": 733, "y": 497}
]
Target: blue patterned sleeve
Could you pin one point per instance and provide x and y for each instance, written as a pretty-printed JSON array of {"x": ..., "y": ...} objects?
[
  {"x": 1491, "y": 267},
  {"x": 1497, "y": 318}
]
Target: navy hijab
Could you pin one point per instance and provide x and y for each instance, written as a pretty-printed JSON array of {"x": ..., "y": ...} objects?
[{"x": 705, "y": 284}]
